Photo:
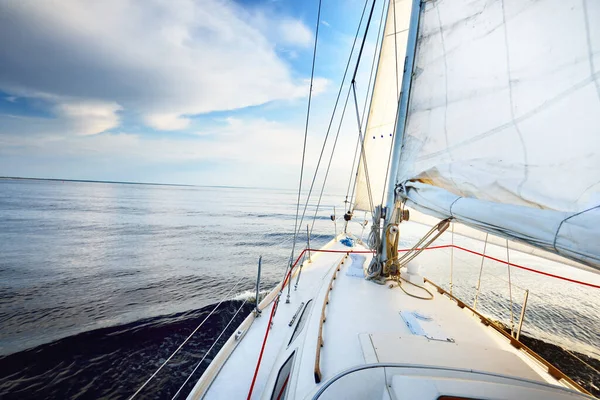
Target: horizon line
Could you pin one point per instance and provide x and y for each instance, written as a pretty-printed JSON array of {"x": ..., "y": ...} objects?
[{"x": 135, "y": 183}]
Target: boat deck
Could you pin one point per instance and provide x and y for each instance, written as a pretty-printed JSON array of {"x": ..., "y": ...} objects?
[{"x": 365, "y": 323}]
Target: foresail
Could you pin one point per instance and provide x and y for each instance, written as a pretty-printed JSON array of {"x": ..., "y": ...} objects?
[
  {"x": 504, "y": 116},
  {"x": 384, "y": 104}
]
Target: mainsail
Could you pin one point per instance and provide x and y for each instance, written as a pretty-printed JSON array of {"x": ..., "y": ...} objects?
[
  {"x": 384, "y": 104},
  {"x": 503, "y": 125}
]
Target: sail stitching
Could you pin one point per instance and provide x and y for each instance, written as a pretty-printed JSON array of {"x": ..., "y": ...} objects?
[
  {"x": 445, "y": 58},
  {"x": 589, "y": 46},
  {"x": 499, "y": 128},
  {"x": 512, "y": 106}
]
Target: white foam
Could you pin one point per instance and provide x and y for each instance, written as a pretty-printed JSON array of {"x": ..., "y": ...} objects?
[{"x": 250, "y": 295}]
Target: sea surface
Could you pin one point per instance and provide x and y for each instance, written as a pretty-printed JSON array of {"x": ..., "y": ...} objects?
[{"x": 101, "y": 282}]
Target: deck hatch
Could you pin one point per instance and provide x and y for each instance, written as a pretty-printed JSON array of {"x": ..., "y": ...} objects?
[
  {"x": 301, "y": 321},
  {"x": 283, "y": 377}
]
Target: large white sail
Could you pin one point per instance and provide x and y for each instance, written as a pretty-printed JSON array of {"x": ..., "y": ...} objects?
[
  {"x": 384, "y": 104},
  {"x": 503, "y": 127}
]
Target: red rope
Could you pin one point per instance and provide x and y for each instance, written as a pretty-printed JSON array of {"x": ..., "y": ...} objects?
[
  {"x": 446, "y": 246},
  {"x": 262, "y": 349},
  {"x": 564, "y": 278}
]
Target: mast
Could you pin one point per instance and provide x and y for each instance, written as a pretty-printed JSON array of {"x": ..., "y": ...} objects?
[
  {"x": 400, "y": 121},
  {"x": 409, "y": 61}
]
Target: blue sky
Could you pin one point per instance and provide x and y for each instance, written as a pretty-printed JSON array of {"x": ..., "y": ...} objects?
[{"x": 172, "y": 91}]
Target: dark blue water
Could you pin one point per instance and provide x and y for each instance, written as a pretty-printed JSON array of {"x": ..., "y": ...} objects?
[
  {"x": 111, "y": 363},
  {"x": 122, "y": 273},
  {"x": 99, "y": 283}
]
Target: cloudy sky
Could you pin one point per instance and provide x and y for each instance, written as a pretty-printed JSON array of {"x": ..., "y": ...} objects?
[{"x": 172, "y": 91}]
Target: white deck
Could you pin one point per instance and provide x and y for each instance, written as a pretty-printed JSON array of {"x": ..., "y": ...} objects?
[{"x": 363, "y": 326}]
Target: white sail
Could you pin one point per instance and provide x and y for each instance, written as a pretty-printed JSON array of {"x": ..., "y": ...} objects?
[
  {"x": 505, "y": 112},
  {"x": 384, "y": 105}
]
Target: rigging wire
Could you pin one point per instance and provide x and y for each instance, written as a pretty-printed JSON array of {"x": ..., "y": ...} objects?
[
  {"x": 296, "y": 224},
  {"x": 364, "y": 159},
  {"x": 329, "y": 164},
  {"x": 362, "y": 149},
  {"x": 312, "y": 76},
  {"x": 188, "y": 338},
  {"x": 381, "y": 25},
  {"x": 362, "y": 45},
  {"x": 209, "y": 350},
  {"x": 331, "y": 120},
  {"x": 512, "y": 317},
  {"x": 381, "y": 33},
  {"x": 352, "y": 173},
  {"x": 399, "y": 94}
]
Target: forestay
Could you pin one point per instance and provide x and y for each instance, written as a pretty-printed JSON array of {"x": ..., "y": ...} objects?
[
  {"x": 503, "y": 129},
  {"x": 384, "y": 104}
]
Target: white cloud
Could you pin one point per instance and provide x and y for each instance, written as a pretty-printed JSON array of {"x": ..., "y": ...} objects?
[
  {"x": 294, "y": 32},
  {"x": 320, "y": 85},
  {"x": 161, "y": 59},
  {"x": 72, "y": 115},
  {"x": 89, "y": 117},
  {"x": 167, "y": 122}
]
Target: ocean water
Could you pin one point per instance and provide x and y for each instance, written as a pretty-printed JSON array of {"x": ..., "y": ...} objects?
[{"x": 100, "y": 282}]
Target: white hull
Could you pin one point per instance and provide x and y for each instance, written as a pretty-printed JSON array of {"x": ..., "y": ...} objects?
[{"x": 367, "y": 324}]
